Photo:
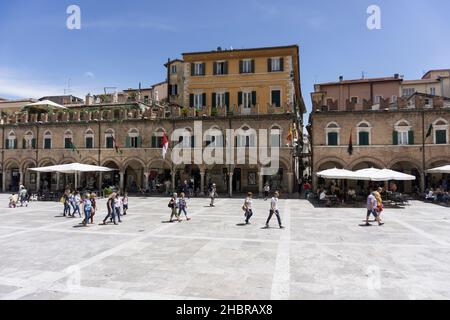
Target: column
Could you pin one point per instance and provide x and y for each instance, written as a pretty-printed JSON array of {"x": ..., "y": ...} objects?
[
  {"x": 99, "y": 183},
  {"x": 290, "y": 176},
  {"x": 121, "y": 181},
  {"x": 21, "y": 177},
  {"x": 4, "y": 181},
  {"x": 260, "y": 183},
  {"x": 230, "y": 184},
  {"x": 202, "y": 183},
  {"x": 174, "y": 173},
  {"x": 145, "y": 184},
  {"x": 38, "y": 181},
  {"x": 57, "y": 181}
]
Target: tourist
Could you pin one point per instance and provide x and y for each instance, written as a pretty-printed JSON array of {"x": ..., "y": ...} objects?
[
  {"x": 118, "y": 206},
  {"x": 430, "y": 195},
  {"x": 87, "y": 208},
  {"x": 77, "y": 203},
  {"x": 274, "y": 210},
  {"x": 248, "y": 209},
  {"x": 212, "y": 194},
  {"x": 125, "y": 203},
  {"x": 173, "y": 205},
  {"x": 307, "y": 189},
  {"x": 191, "y": 188},
  {"x": 379, "y": 207},
  {"x": 23, "y": 196},
  {"x": 94, "y": 206},
  {"x": 71, "y": 198},
  {"x": 66, "y": 203},
  {"x": 185, "y": 188},
  {"x": 182, "y": 206},
  {"x": 13, "y": 200},
  {"x": 111, "y": 210},
  {"x": 167, "y": 185},
  {"x": 351, "y": 194},
  {"x": 266, "y": 191},
  {"x": 371, "y": 209}
]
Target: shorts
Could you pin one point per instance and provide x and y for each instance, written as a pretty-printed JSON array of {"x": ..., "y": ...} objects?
[
  {"x": 372, "y": 212},
  {"x": 125, "y": 206}
]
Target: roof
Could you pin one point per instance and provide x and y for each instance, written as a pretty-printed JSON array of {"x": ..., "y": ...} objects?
[
  {"x": 425, "y": 76},
  {"x": 158, "y": 84},
  {"x": 242, "y": 50},
  {"x": 369, "y": 80},
  {"x": 172, "y": 61},
  {"x": 406, "y": 82},
  {"x": 426, "y": 95}
]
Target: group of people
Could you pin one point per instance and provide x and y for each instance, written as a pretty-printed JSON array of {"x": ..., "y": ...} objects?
[
  {"x": 177, "y": 206},
  {"x": 86, "y": 205},
  {"x": 22, "y": 197},
  {"x": 248, "y": 208},
  {"x": 437, "y": 195},
  {"x": 375, "y": 206}
]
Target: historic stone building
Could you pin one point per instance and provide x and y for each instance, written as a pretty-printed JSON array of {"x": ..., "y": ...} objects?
[
  {"x": 127, "y": 136},
  {"x": 408, "y": 134}
]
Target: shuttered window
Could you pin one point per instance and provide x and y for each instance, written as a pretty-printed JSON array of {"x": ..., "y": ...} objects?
[
  {"x": 363, "y": 138},
  {"x": 276, "y": 98},
  {"x": 332, "y": 138},
  {"x": 441, "y": 136}
]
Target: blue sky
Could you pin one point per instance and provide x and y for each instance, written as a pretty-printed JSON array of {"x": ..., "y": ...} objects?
[{"x": 122, "y": 43}]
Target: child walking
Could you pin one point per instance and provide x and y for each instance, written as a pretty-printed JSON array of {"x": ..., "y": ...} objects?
[{"x": 125, "y": 203}]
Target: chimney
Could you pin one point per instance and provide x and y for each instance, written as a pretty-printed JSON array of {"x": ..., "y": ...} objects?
[
  {"x": 341, "y": 78},
  {"x": 89, "y": 100},
  {"x": 396, "y": 76}
]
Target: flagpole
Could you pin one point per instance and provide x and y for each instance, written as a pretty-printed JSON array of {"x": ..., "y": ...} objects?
[{"x": 423, "y": 150}]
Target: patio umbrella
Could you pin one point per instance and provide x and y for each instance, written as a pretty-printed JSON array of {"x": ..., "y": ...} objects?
[
  {"x": 340, "y": 174},
  {"x": 444, "y": 169},
  {"x": 373, "y": 174},
  {"x": 44, "y": 105}
]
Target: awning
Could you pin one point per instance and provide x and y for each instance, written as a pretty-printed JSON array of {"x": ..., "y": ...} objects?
[
  {"x": 444, "y": 169},
  {"x": 370, "y": 174},
  {"x": 340, "y": 174},
  {"x": 44, "y": 105},
  {"x": 73, "y": 168}
]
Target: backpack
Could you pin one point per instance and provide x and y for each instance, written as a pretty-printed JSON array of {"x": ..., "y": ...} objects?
[{"x": 170, "y": 205}]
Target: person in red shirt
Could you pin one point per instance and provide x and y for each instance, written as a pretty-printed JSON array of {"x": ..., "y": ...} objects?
[{"x": 307, "y": 188}]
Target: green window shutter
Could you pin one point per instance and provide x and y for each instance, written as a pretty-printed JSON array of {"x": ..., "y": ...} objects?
[
  {"x": 214, "y": 68},
  {"x": 139, "y": 142},
  {"x": 253, "y": 66},
  {"x": 363, "y": 138},
  {"x": 332, "y": 139},
  {"x": 213, "y": 100},
  {"x": 191, "y": 100},
  {"x": 241, "y": 66},
  {"x": 441, "y": 136},
  {"x": 203, "y": 69},
  {"x": 281, "y": 64},
  {"x": 239, "y": 98},
  {"x": 154, "y": 142},
  {"x": 128, "y": 142},
  {"x": 411, "y": 137},
  {"x": 204, "y": 99},
  {"x": 225, "y": 67},
  {"x": 276, "y": 98},
  {"x": 394, "y": 138},
  {"x": 33, "y": 143},
  {"x": 192, "y": 69},
  {"x": 253, "y": 97},
  {"x": 269, "y": 65},
  {"x": 6, "y": 144},
  {"x": 15, "y": 143},
  {"x": 24, "y": 143},
  {"x": 227, "y": 99}
]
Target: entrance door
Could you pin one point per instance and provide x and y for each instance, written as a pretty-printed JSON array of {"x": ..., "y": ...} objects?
[{"x": 237, "y": 186}]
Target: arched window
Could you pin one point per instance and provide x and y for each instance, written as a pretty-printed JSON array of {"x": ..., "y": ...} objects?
[
  {"x": 214, "y": 137},
  {"x": 89, "y": 139},
  {"x": 11, "y": 141},
  {"x": 245, "y": 137},
  {"x": 133, "y": 139},
  {"x": 68, "y": 140},
  {"x": 28, "y": 141},
  {"x": 109, "y": 139},
  {"x": 363, "y": 130},
  {"x": 440, "y": 131},
  {"x": 332, "y": 134},
  {"x": 157, "y": 138},
  {"x": 275, "y": 136},
  {"x": 47, "y": 139},
  {"x": 187, "y": 139},
  {"x": 403, "y": 135}
]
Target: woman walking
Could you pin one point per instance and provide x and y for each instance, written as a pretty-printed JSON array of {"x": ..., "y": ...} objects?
[
  {"x": 173, "y": 204},
  {"x": 94, "y": 206},
  {"x": 87, "y": 208},
  {"x": 248, "y": 209},
  {"x": 111, "y": 209},
  {"x": 274, "y": 210},
  {"x": 182, "y": 206},
  {"x": 125, "y": 203},
  {"x": 77, "y": 202}
]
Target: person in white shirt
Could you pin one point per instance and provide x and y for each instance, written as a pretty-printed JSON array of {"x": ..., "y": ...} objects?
[
  {"x": 266, "y": 191},
  {"x": 274, "y": 210},
  {"x": 248, "y": 207}
]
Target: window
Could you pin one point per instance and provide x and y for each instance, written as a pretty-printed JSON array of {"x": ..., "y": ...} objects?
[
  {"x": 403, "y": 135},
  {"x": 68, "y": 138},
  {"x": 332, "y": 134},
  {"x": 157, "y": 138},
  {"x": 275, "y": 137},
  {"x": 11, "y": 141},
  {"x": 220, "y": 100},
  {"x": 394, "y": 99},
  {"x": 146, "y": 99},
  {"x": 363, "y": 129},
  {"x": 247, "y": 99},
  {"x": 173, "y": 69},
  {"x": 89, "y": 139},
  {"x": 427, "y": 102},
  {"x": 198, "y": 100},
  {"x": 133, "y": 139},
  {"x": 47, "y": 140},
  {"x": 440, "y": 128},
  {"x": 275, "y": 64},
  {"x": 247, "y": 66},
  {"x": 109, "y": 139},
  {"x": 433, "y": 91},
  {"x": 187, "y": 139},
  {"x": 403, "y": 138},
  {"x": 214, "y": 137},
  {"x": 246, "y": 137},
  {"x": 220, "y": 67},
  {"x": 198, "y": 69},
  {"x": 28, "y": 141},
  {"x": 276, "y": 98},
  {"x": 173, "y": 88},
  {"x": 378, "y": 99},
  {"x": 408, "y": 92},
  {"x": 363, "y": 138},
  {"x": 354, "y": 100}
]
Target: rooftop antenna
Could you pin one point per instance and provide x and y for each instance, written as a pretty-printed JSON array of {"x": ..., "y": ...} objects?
[
  {"x": 69, "y": 88},
  {"x": 363, "y": 75}
]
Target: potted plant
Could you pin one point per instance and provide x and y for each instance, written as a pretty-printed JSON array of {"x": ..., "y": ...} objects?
[
  {"x": 184, "y": 111},
  {"x": 214, "y": 112}
]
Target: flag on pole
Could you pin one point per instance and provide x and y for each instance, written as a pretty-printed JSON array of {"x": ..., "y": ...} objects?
[
  {"x": 74, "y": 148},
  {"x": 165, "y": 145},
  {"x": 289, "y": 137},
  {"x": 430, "y": 130},
  {"x": 350, "y": 143}
]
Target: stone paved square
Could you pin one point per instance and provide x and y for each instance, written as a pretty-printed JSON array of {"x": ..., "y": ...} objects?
[{"x": 322, "y": 254}]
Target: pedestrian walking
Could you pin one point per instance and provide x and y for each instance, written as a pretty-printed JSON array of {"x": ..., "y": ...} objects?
[
  {"x": 94, "y": 206},
  {"x": 71, "y": 195},
  {"x": 66, "y": 203},
  {"x": 87, "y": 208},
  {"x": 371, "y": 209},
  {"x": 274, "y": 210},
  {"x": 182, "y": 206},
  {"x": 118, "y": 206},
  {"x": 266, "y": 191},
  {"x": 212, "y": 194},
  {"x": 248, "y": 208},
  {"x": 111, "y": 210},
  {"x": 23, "y": 196},
  {"x": 379, "y": 207},
  {"x": 125, "y": 204},
  {"x": 13, "y": 200},
  {"x": 173, "y": 204},
  {"x": 77, "y": 203}
]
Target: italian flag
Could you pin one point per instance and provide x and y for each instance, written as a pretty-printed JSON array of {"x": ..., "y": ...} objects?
[{"x": 165, "y": 145}]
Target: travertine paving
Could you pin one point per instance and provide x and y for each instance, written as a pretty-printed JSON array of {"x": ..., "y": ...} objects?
[{"x": 322, "y": 254}]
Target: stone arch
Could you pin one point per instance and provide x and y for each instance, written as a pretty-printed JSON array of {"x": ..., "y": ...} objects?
[
  {"x": 336, "y": 160},
  {"x": 12, "y": 163},
  {"x": 117, "y": 163},
  {"x": 67, "y": 160},
  {"x": 409, "y": 166},
  {"x": 438, "y": 162},
  {"x": 24, "y": 163},
  {"x": 46, "y": 162},
  {"x": 127, "y": 162},
  {"x": 371, "y": 160},
  {"x": 90, "y": 160}
]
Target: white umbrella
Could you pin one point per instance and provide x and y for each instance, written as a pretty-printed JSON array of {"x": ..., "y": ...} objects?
[
  {"x": 72, "y": 168},
  {"x": 44, "y": 105},
  {"x": 398, "y": 176},
  {"x": 373, "y": 174},
  {"x": 444, "y": 169},
  {"x": 340, "y": 174}
]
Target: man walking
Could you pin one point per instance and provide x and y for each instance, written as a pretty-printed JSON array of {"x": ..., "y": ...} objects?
[
  {"x": 372, "y": 209},
  {"x": 274, "y": 210}
]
